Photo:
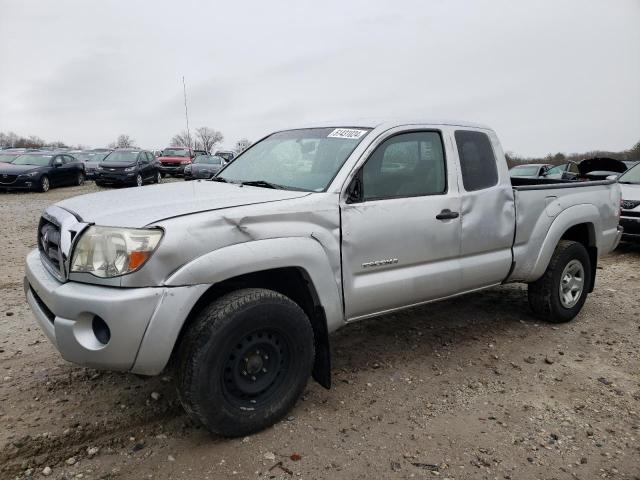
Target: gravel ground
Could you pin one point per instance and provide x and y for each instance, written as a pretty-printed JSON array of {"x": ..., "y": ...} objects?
[{"x": 467, "y": 388}]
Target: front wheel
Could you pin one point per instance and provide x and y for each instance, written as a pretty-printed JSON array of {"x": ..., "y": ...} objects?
[
  {"x": 139, "y": 181},
  {"x": 245, "y": 361},
  {"x": 44, "y": 184},
  {"x": 158, "y": 177},
  {"x": 80, "y": 179},
  {"x": 558, "y": 296}
]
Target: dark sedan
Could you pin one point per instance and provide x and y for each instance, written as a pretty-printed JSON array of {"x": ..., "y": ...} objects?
[
  {"x": 41, "y": 171},
  {"x": 203, "y": 166},
  {"x": 128, "y": 167}
]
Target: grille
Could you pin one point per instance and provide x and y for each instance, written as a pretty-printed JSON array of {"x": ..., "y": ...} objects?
[
  {"x": 49, "y": 245},
  {"x": 630, "y": 204},
  {"x": 7, "y": 178}
]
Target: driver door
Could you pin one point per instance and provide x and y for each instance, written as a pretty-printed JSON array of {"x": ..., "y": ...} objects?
[{"x": 401, "y": 231}]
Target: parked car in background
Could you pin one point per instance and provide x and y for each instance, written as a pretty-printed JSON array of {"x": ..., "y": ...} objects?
[
  {"x": 566, "y": 171},
  {"x": 630, "y": 206},
  {"x": 532, "y": 170},
  {"x": 599, "y": 168},
  {"x": 91, "y": 159},
  {"x": 630, "y": 163},
  {"x": 174, "y": 159},
  {"x": 199, "y": 152},
  {"x": 240, "y": 280},
  {"x": 228, "y": 155},
  {"x": 128, "y": 166},
  {"x": 9, "y": 155},
  {"x": 203, "y": 166},
  {"x": 41, "y": 171}
]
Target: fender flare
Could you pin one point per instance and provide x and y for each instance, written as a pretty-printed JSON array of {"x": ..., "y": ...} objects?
[{"x": 572, "y": 216}]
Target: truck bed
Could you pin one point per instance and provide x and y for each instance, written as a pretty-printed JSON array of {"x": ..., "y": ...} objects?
[{"x": 544, "y": 206}]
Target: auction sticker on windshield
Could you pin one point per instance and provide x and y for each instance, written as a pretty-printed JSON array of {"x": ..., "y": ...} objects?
[{"x": 346, "y": 133}]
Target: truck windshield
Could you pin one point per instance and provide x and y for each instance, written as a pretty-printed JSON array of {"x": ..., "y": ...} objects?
[
  {"x": 305, "y": 159},
  {"x": 631, "y": 176},
  {"x": 175, "y": 152}
]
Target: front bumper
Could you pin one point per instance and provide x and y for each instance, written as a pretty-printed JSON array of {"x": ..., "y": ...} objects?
[
  {"x": 143, "y": 323},
  {"x": 631, "y": 227},
  {"x": 177, "y": 170},
  {"x": 120, "y": 178},
  {"x": 20, "y": 183}
]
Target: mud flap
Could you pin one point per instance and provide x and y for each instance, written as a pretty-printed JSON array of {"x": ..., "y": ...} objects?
[{"x": 322, "y": 365}]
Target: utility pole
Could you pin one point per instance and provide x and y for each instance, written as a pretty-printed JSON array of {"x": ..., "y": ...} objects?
[{"x": 186, "y": 112}]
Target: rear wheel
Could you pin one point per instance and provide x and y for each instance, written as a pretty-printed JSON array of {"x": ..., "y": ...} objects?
[
  {"x": 80, "y": 179},
  {"x": 558, "y": 296},
  {"x": 44, "y": 184},
  {"x": 245, "y": 361}
]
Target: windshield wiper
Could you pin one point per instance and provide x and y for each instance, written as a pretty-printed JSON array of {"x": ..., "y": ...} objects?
[
  {"x": 219, "y": 179},
  {"x": 627, "y": 183},
  {"x": 262, "y": 183}
]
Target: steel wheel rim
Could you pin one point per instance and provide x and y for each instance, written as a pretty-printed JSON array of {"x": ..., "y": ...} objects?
[
  {"x": 571, "y": 284},
  {"x": 255, "y": 368},
  {"x": 139, "y": 180},
  {"x": 45, "y": 184}
]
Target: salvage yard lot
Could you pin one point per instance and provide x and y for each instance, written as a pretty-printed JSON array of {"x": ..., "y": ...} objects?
[{"x": 467, "y": 388}]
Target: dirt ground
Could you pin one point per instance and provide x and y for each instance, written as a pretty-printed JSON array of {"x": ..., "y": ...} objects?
[{"x": 468, "y": 388}]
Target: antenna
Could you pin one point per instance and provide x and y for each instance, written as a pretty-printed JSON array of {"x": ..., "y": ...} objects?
[{"x": 186, "y": 112}]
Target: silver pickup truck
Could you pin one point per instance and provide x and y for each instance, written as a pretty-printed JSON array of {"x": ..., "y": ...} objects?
[{"x": 240, "y": 280}]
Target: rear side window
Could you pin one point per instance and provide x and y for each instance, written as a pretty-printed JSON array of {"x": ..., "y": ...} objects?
[{"x": 477, "y": 162}]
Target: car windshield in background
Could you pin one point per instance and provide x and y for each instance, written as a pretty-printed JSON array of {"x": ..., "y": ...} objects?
[
  {"x": 90, "y": 156},
  {"x": 631, "y": 176},
  {"x": 524, "y": 171},
  {"x": 40, "y": 160},
  {"x": 555, "y": 170},
  {"x": 305, "y": 159},
  {"x": 175, "y": 152},
  {"x": 122, "y": 157},
  {"x": 6, "y": 158},
  {"x": 208, "y": 159}
]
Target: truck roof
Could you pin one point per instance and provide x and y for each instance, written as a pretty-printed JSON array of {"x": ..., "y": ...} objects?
[{"x": 387, "y": 122}]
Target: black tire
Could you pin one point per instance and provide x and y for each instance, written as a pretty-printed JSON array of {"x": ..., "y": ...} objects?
[
  {"x": 80, "y": 179},
  {"x": 545, "y": 293},
  {"x": 44, "y": 185},
  {"x": 158, "y": 177},
  {"x": 245, "y": 361}
]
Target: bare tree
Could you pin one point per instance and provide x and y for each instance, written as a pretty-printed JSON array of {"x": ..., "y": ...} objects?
[
  {"x": 181, "y": 139},
  {"x": 242, "y": 145},
  {"x": 123, "y": 141},
  {"x": 207, "y": 138}
]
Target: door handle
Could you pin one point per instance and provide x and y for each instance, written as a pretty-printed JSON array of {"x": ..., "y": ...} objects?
[{"x": 447, "y": 214}]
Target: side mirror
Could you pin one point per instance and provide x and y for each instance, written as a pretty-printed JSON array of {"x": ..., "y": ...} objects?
[
  {"x": 354, "y": 193},
  {"x": 612, "y": 177},
  {"x": 57, "y": 162}
]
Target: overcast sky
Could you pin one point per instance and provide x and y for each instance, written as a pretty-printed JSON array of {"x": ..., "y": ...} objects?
[{"x": 554, "y": 75}]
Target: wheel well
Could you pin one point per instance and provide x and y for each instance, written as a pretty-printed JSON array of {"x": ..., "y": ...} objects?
[
  {"x": 292, "y": 282},
  {"x": 584, "y": 233}
]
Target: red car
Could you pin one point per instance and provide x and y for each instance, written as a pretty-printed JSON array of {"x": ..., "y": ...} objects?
[{"x": 174, "y": 159}]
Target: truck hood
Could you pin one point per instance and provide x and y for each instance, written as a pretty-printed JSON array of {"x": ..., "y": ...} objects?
[
  {"x": 172, "y": 159},
  {"x": 138, "y": 207}
]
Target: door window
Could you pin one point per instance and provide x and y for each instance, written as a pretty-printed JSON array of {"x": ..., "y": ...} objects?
[
  {"x": 477, "y": 162},
  {"x": 406, "y": 165}
]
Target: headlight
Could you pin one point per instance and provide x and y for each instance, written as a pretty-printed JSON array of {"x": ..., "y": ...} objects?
[
  {"x": 185, "y": 162},
  {"x": 129, "y": 169},
  {"x": 187, "y": 168},
  {"x": 30, "y": 174},
  {"x": 110, "y": 252}
]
